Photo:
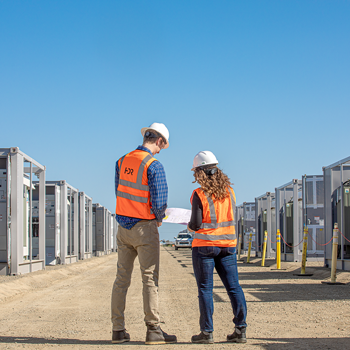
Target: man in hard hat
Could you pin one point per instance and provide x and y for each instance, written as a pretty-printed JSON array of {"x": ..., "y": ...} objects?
[{"x": 142, "y": 194}]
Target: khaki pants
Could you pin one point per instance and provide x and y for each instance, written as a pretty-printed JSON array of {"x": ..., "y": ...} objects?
[{"x": 143, "y": 241}]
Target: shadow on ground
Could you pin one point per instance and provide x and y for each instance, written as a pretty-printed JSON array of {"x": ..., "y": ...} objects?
[
  {"x": 66, "y": 341},
  {"x": 276, "y": 285},
  {"x": 303, "y": 343},
  {"x": 265, "y": 343}
]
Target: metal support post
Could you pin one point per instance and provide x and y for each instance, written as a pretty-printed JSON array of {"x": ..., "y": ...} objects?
[
  {"x": 296, "y": 233},
  {"x": 76, "y": 225},
  {"x": 249, "y": 247},
  {"x": 115, "y": 229},
  {"x": 239, "y": 247},
  {"x": 269, "y": 226},
  {"x": 31, "y": 217},
  {"x": 16, "y": 211},
  {"x": 90, "y": 228},
  {"x": 82, "y": 225},
  {"x": 42, "y": 217},
  {"x": 64, "y": 223}
]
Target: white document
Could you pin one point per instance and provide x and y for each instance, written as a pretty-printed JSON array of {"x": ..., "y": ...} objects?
[{"x": 177, "y": 216}]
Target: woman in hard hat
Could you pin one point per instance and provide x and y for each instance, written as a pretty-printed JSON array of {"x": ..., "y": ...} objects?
[{"x": 214, "y": 245}]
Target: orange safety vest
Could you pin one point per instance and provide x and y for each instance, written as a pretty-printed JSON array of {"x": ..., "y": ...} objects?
[
  {"x": 133, "y": 196},
  {"x": 218, "y": 224}
]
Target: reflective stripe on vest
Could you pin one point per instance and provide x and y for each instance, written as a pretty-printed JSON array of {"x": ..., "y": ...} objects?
[
  {"x": 138, "y": 185},
  {"x": 214, "y": 237},
  {"x": 214, "y": 222}
]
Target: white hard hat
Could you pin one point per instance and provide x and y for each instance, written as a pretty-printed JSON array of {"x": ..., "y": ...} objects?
[
  {"x": 161, "y": 129},
  {"x": 204, "y": 158}
]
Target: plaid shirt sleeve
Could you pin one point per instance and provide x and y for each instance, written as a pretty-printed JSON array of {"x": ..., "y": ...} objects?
[{"x": 158, "y": 188}]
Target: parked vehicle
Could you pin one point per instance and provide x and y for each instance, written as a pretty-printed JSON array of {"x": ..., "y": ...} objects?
[{"x": 183, "y": 240}]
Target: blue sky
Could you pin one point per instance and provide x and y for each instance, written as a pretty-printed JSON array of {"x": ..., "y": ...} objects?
[{"x": 264, "y": 85}]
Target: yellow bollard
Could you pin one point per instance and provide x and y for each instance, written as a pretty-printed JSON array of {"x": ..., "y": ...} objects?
[
  {"x": 303, "y": 257},
  {"x": 334, "y": 257},
  {"x": 264, "y": 250},
  {"x": 239, "y": 246},
  {"x": 278, "y": 250},
  {"x": 334, "y": 254},
  {"x": 250, "y": 246}
]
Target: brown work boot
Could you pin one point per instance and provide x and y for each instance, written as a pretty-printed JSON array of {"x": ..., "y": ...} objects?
[
  {"x": 238, "y": 336},
  {"x": 120, "y": 337},
  {"x": 156, "y": 336}
]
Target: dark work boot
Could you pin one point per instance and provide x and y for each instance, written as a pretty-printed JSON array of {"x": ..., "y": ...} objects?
[
  {"x": 156, "y": 336},
  {"x": 203, "y": 338},
  {"x": 120, "y": 337},
  {"x": 238, "y": 336}
]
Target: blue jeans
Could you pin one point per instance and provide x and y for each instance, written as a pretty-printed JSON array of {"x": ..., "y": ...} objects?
[{"x": 204, "y": 259}]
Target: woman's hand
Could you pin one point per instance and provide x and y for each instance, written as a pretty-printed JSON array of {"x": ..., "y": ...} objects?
[{"x": 188, "y": 228}]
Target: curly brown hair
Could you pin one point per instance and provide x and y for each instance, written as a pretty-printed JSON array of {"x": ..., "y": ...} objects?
[{"x": 214, "y": 185}]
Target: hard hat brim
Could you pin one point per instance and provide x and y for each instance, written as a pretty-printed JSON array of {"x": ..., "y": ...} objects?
[
  {"x": 203, "y": 166},
  {"x": 143, "y": 130}
]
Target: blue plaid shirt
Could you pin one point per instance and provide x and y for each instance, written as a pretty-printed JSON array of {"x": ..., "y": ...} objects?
[{"x": 158, "y": 189}]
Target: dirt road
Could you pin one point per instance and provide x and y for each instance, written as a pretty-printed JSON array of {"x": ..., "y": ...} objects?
[{"x": 68, "y": 307}]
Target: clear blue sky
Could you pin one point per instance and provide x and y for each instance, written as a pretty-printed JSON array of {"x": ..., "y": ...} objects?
[{"x": 265, "y": 85}]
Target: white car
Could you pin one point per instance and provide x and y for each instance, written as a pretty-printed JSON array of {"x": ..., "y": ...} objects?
[{"x": 183, "y": 240}]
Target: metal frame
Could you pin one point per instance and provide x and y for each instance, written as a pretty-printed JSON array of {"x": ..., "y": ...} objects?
[
  {"x": 264, "y": 203},
  {"x": 283, "y": 195},
  {"x": 85, "y": 231},
  {"x": 313, "y": 216},
  {"x": 248, "y": 225},
  {"x": 334, "y": 177},
  {"x": 64, "y": 240},
  {"x": 15, "y": 262}
]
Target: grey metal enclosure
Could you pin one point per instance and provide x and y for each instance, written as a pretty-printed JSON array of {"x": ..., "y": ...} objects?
[
  {"x": 18, "y": 227},
  {"x": 239, "y": 223},
  {"x": 62, "y": 222},
  {"x": 101, "y": 229},
  {"x": 337, "y": 210},
  {"x": 109, "y": 231},
  {"x": 313, "y": 214},
  {"x": 298, "y": 204},
  {"x": 85, "y": 226},
  {"x": 265, "y": 221},
  {"x": 114, "y": 233},
  {"x": 245, "y": 223}
]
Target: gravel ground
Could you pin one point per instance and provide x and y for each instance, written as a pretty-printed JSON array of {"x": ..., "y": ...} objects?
[{"x": 68, "y": 307}]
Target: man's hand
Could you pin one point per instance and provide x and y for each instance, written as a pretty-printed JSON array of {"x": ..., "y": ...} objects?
[{"x": 159, "y": 223}]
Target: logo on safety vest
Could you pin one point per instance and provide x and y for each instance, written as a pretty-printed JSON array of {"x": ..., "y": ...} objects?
[{"x": 128, "y": 171}]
